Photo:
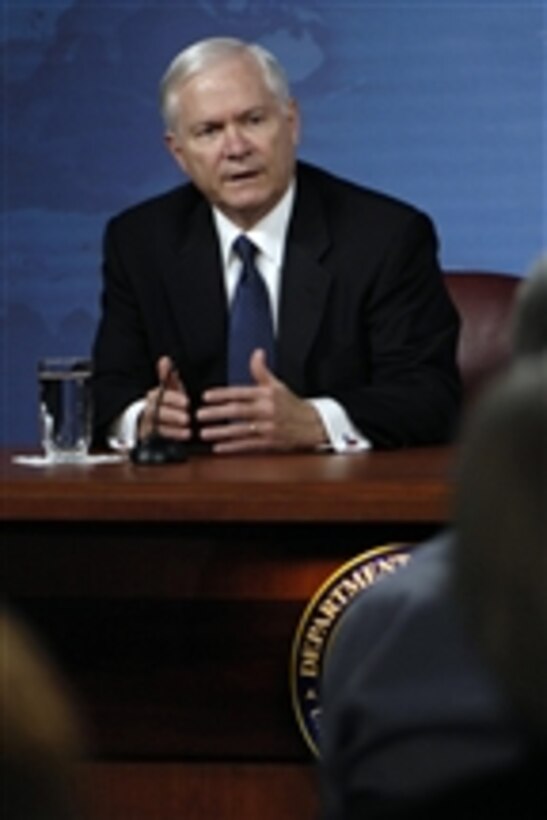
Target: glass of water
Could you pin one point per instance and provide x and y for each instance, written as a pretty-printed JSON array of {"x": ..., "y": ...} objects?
[{"x": 65, "y": 407}]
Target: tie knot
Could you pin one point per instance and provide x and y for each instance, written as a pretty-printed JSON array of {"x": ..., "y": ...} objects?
[{"x": 245, "y": 249}]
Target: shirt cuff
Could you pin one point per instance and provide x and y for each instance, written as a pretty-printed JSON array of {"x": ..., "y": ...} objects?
[
  {"x": 342, "y": 434},
  {"x": 123, "y": 431}
]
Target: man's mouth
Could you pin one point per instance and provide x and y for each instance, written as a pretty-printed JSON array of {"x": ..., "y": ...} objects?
[{"x": 242, "y": 176}]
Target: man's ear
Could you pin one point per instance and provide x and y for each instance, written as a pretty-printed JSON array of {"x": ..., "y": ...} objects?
[
  {"x": 293, "y": 115},
  {"x": 175, "y": 149}
]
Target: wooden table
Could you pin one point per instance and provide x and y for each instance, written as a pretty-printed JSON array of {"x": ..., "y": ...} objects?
[{"x": 170, "y": 596}]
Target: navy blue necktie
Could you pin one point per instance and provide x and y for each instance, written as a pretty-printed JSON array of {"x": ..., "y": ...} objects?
[{"x": 251, "y": 323}]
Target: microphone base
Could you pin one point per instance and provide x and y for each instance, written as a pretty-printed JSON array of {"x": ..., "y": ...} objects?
[{"x": 157, "y": 450}]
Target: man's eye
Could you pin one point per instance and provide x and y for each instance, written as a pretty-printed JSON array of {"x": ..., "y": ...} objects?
[
  {"x": 256, "y": 117},
  {"x": 206, "y": 130}
]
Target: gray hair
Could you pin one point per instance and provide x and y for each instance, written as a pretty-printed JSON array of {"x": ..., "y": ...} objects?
[{"x": 205, "y": 53}]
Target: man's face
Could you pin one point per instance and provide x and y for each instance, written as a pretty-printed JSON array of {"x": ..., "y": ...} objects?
[{"x": 234, "y": 139}]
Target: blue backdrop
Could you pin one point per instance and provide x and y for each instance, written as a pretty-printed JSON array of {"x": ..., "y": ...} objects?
[{"x": 441, "y": 103}]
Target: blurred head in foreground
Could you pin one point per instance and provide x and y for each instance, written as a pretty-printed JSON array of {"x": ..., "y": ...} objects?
[
  {"x": 501, "y": 513},
  {"x": 40, "y": 734},
  {"x": 530, "y": 314}
]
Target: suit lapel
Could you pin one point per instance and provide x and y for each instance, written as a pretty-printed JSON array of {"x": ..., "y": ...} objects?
[
  {"x": 195, "y": 289},
  {"x": 305, "y": 284}
]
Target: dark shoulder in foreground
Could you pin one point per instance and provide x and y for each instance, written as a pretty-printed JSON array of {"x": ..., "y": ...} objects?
[
  {"x": 425, "y": 580},
  {"x": 517, "y": 792}
]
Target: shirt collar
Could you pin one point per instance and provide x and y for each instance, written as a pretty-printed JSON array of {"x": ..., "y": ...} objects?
[{"x": 268, "y": 235}]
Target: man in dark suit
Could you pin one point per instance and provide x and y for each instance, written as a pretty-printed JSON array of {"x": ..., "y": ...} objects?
[{"x": 365, "y": 334}]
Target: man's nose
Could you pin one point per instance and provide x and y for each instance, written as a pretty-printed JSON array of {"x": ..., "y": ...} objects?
[{"x": 235, "y": 142}]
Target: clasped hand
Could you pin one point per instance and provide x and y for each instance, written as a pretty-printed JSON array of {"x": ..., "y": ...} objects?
[{"x": 260, "y": 417}]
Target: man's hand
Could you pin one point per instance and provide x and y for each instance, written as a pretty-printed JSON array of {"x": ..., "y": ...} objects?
[
  {"x": 167, "y": 409},
  {"x": 263, "y": 416}
]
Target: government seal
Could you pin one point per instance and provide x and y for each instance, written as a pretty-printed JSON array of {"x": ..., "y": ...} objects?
[{"x": 318, "y": 625}]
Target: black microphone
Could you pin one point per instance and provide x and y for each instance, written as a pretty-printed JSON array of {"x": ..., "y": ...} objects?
[{"x": 155, "y": 448}]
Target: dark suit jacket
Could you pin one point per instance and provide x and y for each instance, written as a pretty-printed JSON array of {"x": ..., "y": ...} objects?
[
  {"x": 364, "y": 315},
  {"x": 517, "y": 792},
  {"x": 409, "y": 710}
]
